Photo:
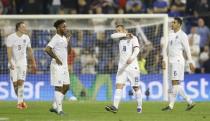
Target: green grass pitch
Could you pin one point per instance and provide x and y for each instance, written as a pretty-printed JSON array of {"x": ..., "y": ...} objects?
[{"x": 94, "y": 111}]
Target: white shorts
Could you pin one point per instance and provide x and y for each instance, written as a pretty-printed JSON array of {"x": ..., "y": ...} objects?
[
  {"x": 133, "y": 76},
  {"x": 176, "y": 71},
  {"x": 19, "y": 73},
  {"x": 59, "y": 75}
]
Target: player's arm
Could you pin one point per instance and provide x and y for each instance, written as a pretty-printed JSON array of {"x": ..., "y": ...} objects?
[
  {"x": 186, "y": 46},
  {"x": 9, "y": 55},
  {"x": 31, "y": 58},
  {"x": 68, "y": 37},
  {"x": 134, "y": 55},
  {"x": 136, "y": 50},
  {"x": 120, "y": 35},
  {"x": 49, "y": 51},
  {"x": 164, "y": 54},
  {"x": 31, "y": 54},
  {"x": 9, "y": 52}
]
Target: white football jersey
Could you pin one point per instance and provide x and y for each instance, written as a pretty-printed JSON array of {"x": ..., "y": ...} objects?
[
  {"x": 19, "y": 47},
  {"x": 126, "y": 47},
  {"x": 59, "y": 46},
  {"x": 177, "y": 44}
]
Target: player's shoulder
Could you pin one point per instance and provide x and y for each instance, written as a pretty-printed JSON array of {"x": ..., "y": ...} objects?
[
  {"x": 25, "y": 36},
  {"x": 13, "y": 35},
  {"x": 183, "y": 34},
  {"x": 171, "y": 32},
  {"x": 135, "y": 37},
  {"x": 54, "y": 37}
]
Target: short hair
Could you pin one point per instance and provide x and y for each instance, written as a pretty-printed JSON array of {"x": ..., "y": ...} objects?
[
  {"x": 58, "y": 23},
  {"x": 120, "y": 25},
  {"x": 18, "y": 25},
  {"x": 179, "y": 20}
]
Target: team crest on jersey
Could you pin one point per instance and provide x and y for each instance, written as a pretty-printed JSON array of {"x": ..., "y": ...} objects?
[
  {"x": 176, "y": 37},
  {"x": 24, "y": 41}
]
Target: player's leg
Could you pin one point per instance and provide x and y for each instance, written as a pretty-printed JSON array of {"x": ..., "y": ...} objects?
[
  {"x": 59, "y": 98},
  {"x": 172, "y": 95},
  {"x": 61, "y": 84},
  {"x": 120, "y": 82},
  {"x": 65, "y": 89},
  {"x": 134, "y": 78},
  {"x": 118, "y": 94},
  {"x": 21, "y": 76},
  {"x": 180, "y": 68},
  {"x": 55, "y": 78},
  {"x": 175, "y": 89},
  {"x": 15, "y": 85},
  {"x": 187, "y": 99},
  {"x": 20, "y": 90},
  {"x": 138, "y": 95},
  {"x": 13, "y": 78},
  {"x": 117, "y": 98},
  {"x": 66, "y": 80},
  {"x": 174, "y": 75}
]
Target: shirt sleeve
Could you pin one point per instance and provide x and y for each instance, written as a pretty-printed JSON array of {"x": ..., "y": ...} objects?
[
  {"x": 9, "y": 42},
  {"x": 29, "y": 42},
  {"x": 52, "y": 43},
  {"x": 135, "y": 42},
  {"x": 118, "y": 35},
  {"x": 186, "y": 47}
]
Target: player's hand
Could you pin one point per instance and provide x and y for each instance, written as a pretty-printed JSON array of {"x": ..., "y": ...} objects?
[
  {"x": 129, "y": 61},
  {"x": 163, "y": 65},
  {"x": 58, "y": 61},
  {"x": 192, "y": 68},
  {"x": 129, "y": 35}
]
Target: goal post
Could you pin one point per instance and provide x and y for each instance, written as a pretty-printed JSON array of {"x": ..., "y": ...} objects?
[{"x": 90, "y": 34}]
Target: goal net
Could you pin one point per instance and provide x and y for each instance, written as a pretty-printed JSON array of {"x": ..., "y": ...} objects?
[{"x": 94, "y": 56}]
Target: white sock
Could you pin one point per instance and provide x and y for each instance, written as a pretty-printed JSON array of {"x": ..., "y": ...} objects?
[
  {"x": 173, "y": 95},
  {"x": 59, "y": 98},
  {"x": 20, "y": 94},
  {"x": 138, "y": 96},
  {"x": 182, "y": 93},
  {"x": 54, "y": 105},
  {"x": 170, "y": 96},
  {"x": 117, "y": 97}
]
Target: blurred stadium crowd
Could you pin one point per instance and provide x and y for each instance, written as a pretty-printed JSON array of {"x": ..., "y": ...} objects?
[
  {"x": 172, "y": 7},
  {"x": 93, "y": 52}
]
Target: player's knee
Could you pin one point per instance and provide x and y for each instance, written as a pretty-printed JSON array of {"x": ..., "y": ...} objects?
[
  {"x": 20, "y": 82},
  {"x": 135, "y": 88},
  {"x": 15, "y": 84},
  {"x": 119, "y": 86},
  {"x": 66, "y": 89},
  {"x": 175, "y": 82}
]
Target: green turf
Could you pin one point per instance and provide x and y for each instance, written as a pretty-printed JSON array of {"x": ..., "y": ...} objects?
[{"x": 94, "y": 111}]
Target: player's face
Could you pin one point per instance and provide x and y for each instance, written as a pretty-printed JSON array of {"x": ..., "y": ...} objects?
[
  {"x": 120, "y": 29},
  {"x": 62, "y": 28},
  {"x": 175, "y": 25},
  {"x": 22, "y": 28}
]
